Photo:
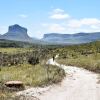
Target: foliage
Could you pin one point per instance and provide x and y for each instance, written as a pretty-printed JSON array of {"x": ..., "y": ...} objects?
[
  {"x": 83, "y": 55},
  {"x": 33, "y": 60},
  {"x": 30, "y": 76}
]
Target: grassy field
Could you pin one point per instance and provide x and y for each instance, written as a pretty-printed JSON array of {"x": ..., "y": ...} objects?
[
  {"x": 37, "y": 75},
  {"x": 84, "y": 55},
  {"x": 15, "y": 50},
  {"x": 90, "y": 62},
  {"x": 31, "y": 75}
]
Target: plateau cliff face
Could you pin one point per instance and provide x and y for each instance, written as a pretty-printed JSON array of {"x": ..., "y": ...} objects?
[
  {"x": 16, "y": 32},
  {"x": 71, "y": 38},
  {"x": 19, "y": 33}
]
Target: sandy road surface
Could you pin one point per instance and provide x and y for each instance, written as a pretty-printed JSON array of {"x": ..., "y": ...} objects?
[{"x": 79, "y": 84}]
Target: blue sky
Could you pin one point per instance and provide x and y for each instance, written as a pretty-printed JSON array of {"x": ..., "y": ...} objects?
[{"x": 46, "y": 16}]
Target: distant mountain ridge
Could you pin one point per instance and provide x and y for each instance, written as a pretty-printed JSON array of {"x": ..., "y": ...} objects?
[
  {"x": 71, "y": 38},
  {"x": 19, "y": 33}
]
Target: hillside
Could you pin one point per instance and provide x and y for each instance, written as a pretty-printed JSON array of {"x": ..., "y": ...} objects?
[
  {"x": 18, "y": 33},
  {"x": 78, "y": 38},
  {"x": 15, "y": 44}
]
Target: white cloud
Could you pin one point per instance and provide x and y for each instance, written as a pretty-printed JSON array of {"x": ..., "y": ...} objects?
[
  {"x": 23, "y": 16},
  {"x": 90, "y": 21},
  {"x": 58, "y": 11},
  {"x": 85, "y": 24},
  {"x": 74, "y": 23},
  {"x": 59, "y": 14},
  {"x": 54, "y": 27},
  {"x": 94, "y": 26},
  {"x": 73, "y": 26}
]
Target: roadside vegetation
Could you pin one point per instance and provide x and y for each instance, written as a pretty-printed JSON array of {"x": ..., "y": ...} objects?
[
  {"x": 85, "y": 55},
  {"x": 30, "y": 75},
  {"x": 27, "y": 65}
]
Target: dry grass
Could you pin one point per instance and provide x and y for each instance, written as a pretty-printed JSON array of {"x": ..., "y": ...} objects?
[
  {"x": 90, "y": 62},
  {"x": 14, "y": 50},
  {"x": 30, "y": 75}
]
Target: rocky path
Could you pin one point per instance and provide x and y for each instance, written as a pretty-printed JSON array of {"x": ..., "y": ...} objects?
[{"x": 79, "y": 84}]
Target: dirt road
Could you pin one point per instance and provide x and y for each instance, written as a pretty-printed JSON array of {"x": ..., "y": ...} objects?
[{"x": 79, "y": 84}]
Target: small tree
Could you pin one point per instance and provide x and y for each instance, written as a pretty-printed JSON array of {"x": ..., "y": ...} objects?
[{"x": 33, "y": 60}]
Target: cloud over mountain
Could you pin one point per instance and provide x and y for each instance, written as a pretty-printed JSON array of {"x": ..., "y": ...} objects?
[{"x": 59, "y": 14}]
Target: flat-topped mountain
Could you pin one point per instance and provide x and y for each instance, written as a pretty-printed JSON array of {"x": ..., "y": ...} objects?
[
  {"x": 71, "y": 38},
  {"x": 19, "y": 33},
  {"x": 16, "y": 32}
]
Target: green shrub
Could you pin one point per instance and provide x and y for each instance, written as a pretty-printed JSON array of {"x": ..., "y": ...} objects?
[{"x": 33, "y": 60}]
